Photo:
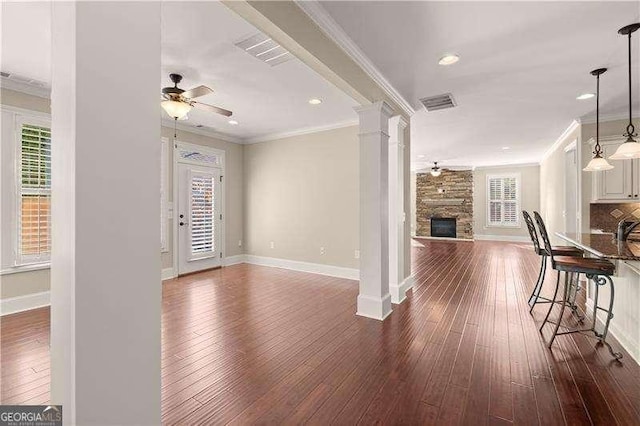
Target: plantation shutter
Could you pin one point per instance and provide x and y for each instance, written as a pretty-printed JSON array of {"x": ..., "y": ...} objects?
[
  {"x": 495, "y": 200},
  {"x": 34, "y": 189},
  {"x": 503, "y": 201},
  {"x": 202, "y": 214}
]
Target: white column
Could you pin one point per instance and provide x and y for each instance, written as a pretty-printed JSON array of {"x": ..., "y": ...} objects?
[
  {"x": 374, "y": 300},
  {"x": 105, "y": 265},
  {"x": 408, "y": 280},
  {"x": 397, "y": 214}
]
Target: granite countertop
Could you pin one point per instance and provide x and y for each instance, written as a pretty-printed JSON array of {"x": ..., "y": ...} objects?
[{"x": 604, "y": 245}]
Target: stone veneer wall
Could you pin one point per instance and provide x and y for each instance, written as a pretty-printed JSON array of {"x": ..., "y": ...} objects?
[{"x": 453, "y": 185}]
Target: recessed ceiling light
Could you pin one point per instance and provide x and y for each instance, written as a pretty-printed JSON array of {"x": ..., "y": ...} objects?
[
  {"x": 505, "y": 148},
  {"x": 233, "y": 122},
  {"x": 585, "y": 96},
  {"x": 315, "y": 101},
  {"x": 421, "y": 156},
  {"x": 448, "y": 59}
]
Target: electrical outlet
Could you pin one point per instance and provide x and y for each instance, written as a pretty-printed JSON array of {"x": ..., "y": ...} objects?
[
  {"x": 272, "y": 244},
  {"x": 322, "y": 251},
  {"x": 357, "y": 254}
]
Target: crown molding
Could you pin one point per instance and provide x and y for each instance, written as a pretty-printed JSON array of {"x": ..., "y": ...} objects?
[
  {"x": 300, "y": 132},
  {"x": 201, "y": 131},
  {"x": 506, "y": 166},
  {"x": 609, "y": 117},
  {"x": 18, "y": 86},
  {"x": 334, "y": 31},
  {"x": 572, "y": 126}
]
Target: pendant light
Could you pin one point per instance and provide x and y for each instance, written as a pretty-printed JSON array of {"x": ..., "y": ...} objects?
[
  {"x": 598, "y": 163},
  {"x": 630, "y": 148},
  {"x": 435, "y": 170}
]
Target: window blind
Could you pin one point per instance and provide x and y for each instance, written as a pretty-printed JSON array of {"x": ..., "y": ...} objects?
[
  {"x": 34, "y": 231},
  {"x": 202, "y": 214}
]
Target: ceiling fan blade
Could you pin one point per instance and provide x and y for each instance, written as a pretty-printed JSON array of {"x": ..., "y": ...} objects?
[
  {"x": 196, "y": 92},
  {"x": 212, "y": 108}
]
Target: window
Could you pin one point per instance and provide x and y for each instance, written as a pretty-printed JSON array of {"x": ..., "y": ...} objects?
[
  {"x": 503, "y": 200},
  {"x": 34, "y": 193}
]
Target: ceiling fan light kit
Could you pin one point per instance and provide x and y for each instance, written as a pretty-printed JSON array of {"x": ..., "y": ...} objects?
[
  {"x": 598, "y": 163},
  {"x": 178, "y": 102},
  {"x": 630, "y": 148},
  {"x": 435, "y": 170},
  {"x": 175, "y": 109}
]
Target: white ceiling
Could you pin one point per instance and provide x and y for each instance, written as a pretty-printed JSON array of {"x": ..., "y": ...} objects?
[
  {"x": 522, "y": 66},
  {"x": 198, "y": 41}
]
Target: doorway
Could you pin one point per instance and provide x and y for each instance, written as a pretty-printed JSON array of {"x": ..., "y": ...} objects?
[{"x": 199, "y": 225}]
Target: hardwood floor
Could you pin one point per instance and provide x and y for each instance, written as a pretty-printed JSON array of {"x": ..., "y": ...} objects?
[{"x": 249, "y": 344}]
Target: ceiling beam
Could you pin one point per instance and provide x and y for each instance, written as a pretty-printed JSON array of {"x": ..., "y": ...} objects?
[{"x": 294, "y": 30}]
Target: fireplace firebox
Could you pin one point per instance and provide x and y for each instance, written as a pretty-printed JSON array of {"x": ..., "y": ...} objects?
[{"x": 443, "y": 227}]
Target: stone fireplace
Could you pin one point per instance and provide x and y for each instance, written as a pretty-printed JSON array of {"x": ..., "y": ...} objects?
[{"x": 444, "y": 204}]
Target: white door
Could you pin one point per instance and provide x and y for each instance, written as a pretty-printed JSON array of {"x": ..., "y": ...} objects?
[{"x": 199, "y": 218}]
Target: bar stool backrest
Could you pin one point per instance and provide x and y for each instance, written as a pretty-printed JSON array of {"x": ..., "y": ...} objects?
[
  {"x": 532, "y": 231},
  {"x": 545, "y": 237}
]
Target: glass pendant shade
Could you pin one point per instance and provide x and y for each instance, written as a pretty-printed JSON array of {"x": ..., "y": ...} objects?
[
  {"x": 436, "y": 173},
  {"x": 627, "y": 151},
  {"x": 176, "y": 109},
  {"x": 598, "y": 164}
]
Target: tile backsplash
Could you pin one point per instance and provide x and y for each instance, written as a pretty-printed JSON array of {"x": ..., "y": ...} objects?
[{"x": 607, "y": 216}]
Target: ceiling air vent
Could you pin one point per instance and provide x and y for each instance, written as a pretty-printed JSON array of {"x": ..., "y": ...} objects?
[
  {"x": 5, "y": 74},
  {"x": 434, "y": 103},
  {"x": 265, "y": 49}
]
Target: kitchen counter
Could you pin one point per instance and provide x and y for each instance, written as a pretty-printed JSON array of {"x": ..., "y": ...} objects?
[{"x": 604, "y": 245}]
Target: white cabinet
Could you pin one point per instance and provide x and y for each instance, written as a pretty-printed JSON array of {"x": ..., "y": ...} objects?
[{"x": 622, "y": 183}]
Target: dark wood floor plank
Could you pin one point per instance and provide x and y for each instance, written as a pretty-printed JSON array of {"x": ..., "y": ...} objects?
[{"x": 255, "y": 345}]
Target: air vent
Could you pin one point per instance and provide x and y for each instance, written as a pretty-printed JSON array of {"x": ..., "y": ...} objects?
[
  {"x": 434, "y": 103},
  {"x": 5, "y": 74},
  {"x": 262, "y": 47}
]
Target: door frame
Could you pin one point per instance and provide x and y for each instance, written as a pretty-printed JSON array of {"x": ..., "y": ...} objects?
[{"x": 177, "y": 145}]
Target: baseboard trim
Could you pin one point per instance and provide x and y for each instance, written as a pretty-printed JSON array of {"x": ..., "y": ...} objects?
[
  {"x": 234, "y": 260},
  {"x": 168, "y": 273},
  {"x": 444, "y": 238},
  {"x": 632, "y": 347},
  {"x": 27, "y": 302},
  {"x": 313, "y": 268},
  {"x": 399, "y": 292},
  {"x": 374, "y": 307},
  {"x": 508, "y": 238}
]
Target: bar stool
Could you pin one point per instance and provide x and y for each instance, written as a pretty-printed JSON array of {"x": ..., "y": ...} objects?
[
  {"x": 597, "y": 270},
  {"x": 557, "y": 251}
]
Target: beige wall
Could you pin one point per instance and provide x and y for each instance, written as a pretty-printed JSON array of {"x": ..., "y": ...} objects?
[
  {"x": 233, "y": 203},
  {"x": 302, "y": 193},
  {"x": 552, "y": 192},
  {"x": 529, "y": 198}
]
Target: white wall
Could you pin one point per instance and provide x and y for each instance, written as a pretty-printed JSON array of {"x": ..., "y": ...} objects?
[
  {"x": 302, "y": 193},
  {"x": 529, "y": 200}
]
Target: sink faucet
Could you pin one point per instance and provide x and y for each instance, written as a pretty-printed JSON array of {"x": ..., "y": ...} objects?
[{"x": 625, "y": 227}]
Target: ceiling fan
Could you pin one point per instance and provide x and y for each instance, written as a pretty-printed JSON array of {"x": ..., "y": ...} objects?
[{"x": 178, "y": 102}]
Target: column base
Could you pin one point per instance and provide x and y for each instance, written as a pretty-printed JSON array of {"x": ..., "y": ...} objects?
[
  {"x": 374, "y": 307},
  {"x": 399, "y": 292}
]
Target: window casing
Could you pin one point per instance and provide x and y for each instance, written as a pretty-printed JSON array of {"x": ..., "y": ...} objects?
[
  {"x": 503, "y": 200},
  {"x": 33, "y": 192}
]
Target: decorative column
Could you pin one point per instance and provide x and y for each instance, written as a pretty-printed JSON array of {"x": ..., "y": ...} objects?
[
  {"x": 374, "y": 300},
  {"x": 397, "y": 214},
  {"x": 105, "y": 263}
]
